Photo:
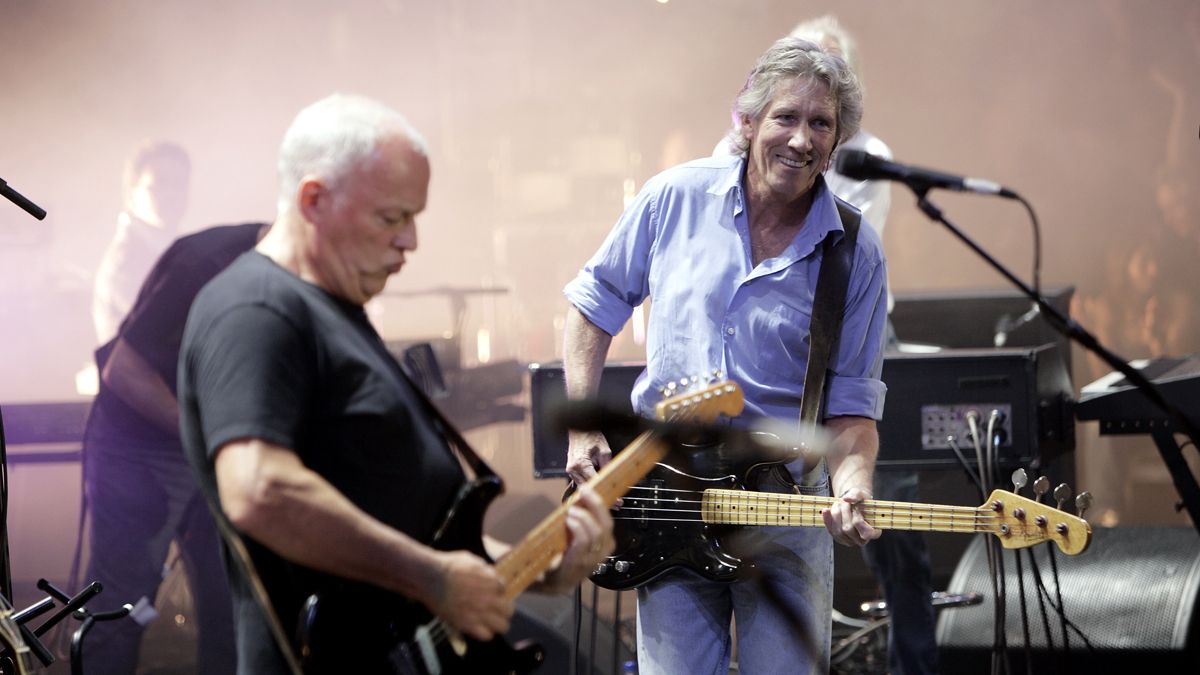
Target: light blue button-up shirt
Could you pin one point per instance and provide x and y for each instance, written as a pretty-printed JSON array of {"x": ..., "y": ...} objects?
[{"x": 684, "y": 243}]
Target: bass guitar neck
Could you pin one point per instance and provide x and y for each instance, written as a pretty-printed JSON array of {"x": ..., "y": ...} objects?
[{"x": 1018, "y": 522}]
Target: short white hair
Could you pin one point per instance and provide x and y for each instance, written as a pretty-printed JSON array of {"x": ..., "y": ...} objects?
[
  {"x": 827, "y": 29},
  {"x": 330, "y": 136}
]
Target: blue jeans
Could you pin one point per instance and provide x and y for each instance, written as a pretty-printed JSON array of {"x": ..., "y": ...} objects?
[{"x": 783, "y": 611}]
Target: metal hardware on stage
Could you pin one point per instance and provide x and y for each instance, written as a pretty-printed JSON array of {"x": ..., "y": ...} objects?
[{"x": 1122, "y": 409}]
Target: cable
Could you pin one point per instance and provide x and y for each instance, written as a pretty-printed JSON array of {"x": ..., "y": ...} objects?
[
  {"x": 962, "y": 460},
  {"x": 591, "y": 662},
  {"x": 1046, "y": 594},
  {"x": 1062, "y": 612},
  {"x": 578, "y": 627},
  {"x": 1024, "y": 614},
  {"x": 1037, "y": 245},
  {"x": 5, "y": 562}
]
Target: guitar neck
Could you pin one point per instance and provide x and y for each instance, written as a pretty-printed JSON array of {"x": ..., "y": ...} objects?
[
  {"x": 1018, "y": 522},
  {"x": 739, "y": 507},
  {"x": 529, "y": 559}
]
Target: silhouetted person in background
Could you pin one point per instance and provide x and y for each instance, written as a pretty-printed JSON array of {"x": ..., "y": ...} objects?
[
  {"x": 140, "y": 491},
  {"x": 155, "y": 198}
]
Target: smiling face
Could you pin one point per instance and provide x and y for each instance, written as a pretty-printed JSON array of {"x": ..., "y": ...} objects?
[
  {"x": 366, "y": 222},
  {"x": 790, "y": 142}
]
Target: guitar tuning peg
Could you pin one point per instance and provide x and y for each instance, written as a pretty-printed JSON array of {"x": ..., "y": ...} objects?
[
  {"x": 1019, "y": 480},
  {"x": 1082, "y": 503},
  {"x": 1061, "y": 494},
  {"x": 715, "y": 376},
  {"x": 1040, "y": 487}
]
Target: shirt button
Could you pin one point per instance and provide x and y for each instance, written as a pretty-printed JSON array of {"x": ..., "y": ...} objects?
[{"x": 731, "y": 330}]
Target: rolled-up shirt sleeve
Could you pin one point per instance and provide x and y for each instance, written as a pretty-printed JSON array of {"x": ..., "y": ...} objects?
[{"x": 616, "y": 279}]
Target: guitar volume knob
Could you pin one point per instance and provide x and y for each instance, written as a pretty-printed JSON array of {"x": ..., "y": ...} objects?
[{"x": 622, "y": 566}]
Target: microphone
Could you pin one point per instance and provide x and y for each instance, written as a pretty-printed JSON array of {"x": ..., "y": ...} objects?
[
  {"x": 862, "y": 165},
  {"x": 21, "y": 201}
]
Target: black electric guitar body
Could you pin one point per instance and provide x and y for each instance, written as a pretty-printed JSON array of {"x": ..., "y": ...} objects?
[
  {"x": 391, "y": 634},
  {"x": 659, "y": 525}
]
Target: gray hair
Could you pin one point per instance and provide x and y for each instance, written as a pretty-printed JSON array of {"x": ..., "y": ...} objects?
[
  {"x": 793, "y": 57},
  {"x": 330, "y": 136}
]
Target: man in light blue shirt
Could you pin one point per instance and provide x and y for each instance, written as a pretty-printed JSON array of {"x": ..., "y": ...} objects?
[{"x": 729, "y": 249}]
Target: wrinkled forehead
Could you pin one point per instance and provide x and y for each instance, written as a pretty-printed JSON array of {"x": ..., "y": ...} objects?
[
  {"x": 397, "y": 171},
  {"x": 801, "y": 90}
]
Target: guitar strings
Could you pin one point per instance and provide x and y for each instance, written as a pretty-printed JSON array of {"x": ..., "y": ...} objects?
[{"x": 685, "y": 505}]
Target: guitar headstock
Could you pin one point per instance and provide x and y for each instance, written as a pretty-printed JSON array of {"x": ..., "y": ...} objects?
[
  {"x": 1021, "y": 523},
  {"x": 703, "y": 404}
]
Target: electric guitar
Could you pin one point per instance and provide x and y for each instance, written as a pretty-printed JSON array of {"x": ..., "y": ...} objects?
[
  {"x": 674, "y": 519},
  {"x": 418, "y": 643}
]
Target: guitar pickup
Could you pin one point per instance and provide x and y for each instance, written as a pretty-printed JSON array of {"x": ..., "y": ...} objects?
[{"x": 650, "y": 505}]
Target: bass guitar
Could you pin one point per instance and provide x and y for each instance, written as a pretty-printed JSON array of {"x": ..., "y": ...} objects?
[
  {"x": 674, "y": 519},
  {"x": 417, "y": 643}
]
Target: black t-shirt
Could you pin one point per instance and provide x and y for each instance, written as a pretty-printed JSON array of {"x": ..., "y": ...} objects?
[
  {"x": 154, "y": 329},
  {"x": 269, "y": 356}
]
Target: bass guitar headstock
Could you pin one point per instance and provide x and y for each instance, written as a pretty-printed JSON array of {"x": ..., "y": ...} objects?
[
  {"x": 700, "y": 400},
  {"x": 1020, "y": 522}
]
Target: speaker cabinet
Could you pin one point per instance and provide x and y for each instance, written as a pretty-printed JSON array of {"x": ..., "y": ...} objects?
[
  {"x": 1133, "y": 594},
  {"x": 547, "y": 390}
]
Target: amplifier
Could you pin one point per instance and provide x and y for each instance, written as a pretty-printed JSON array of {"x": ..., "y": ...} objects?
[
  {"x": 547, "y": 390},
  {"x": 931, "y": 395},
  {"x": 928, "y": 398}
]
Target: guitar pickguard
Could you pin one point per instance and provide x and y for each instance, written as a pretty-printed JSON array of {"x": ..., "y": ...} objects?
[{"x": 658, "y": 528}]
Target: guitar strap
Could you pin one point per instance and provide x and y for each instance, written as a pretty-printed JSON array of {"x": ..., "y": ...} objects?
[
  {"x": 829, "y": 307},
  {"x": 449, "y": 432},
  {"x": 825, "y": 327}
]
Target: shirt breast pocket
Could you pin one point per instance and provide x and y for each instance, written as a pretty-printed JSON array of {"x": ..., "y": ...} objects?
[{"x": 784, "y": 347}]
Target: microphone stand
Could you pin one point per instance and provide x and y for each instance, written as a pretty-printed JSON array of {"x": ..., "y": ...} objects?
[{"x": 1164, "y": 438}]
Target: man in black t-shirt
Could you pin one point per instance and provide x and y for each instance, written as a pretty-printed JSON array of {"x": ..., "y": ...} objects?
[
  {"x": 140, "y": 492},
  {"x": 304, "y": 431}
]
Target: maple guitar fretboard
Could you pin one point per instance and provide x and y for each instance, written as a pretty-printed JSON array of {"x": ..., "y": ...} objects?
[{"x": 1017, "y": 521}]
